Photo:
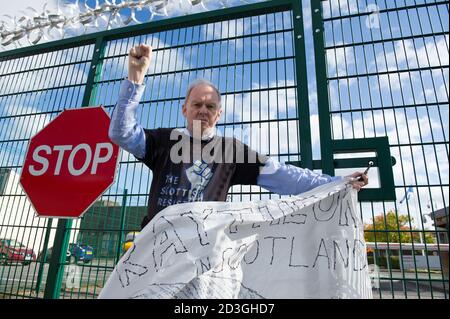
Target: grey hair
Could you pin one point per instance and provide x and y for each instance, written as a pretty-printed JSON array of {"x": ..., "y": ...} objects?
[{"x": 198, "y": 82}]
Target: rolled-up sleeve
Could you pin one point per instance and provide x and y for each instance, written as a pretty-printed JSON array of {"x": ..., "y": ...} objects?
[{"x": 124, "y": 129}]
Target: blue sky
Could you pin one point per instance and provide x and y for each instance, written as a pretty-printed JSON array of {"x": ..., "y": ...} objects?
[{"x": 348, "y": 89}]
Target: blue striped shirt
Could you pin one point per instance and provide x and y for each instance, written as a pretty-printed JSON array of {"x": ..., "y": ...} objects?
[{"x": 125, "y": 131}]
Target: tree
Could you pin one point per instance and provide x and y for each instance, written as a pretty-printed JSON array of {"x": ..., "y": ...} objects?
[{"x": 393, "y": 228}]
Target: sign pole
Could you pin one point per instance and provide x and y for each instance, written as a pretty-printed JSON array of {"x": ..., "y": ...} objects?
[
  {"x": 44, "y": 256},
  {"x": 55, "y": 272}
]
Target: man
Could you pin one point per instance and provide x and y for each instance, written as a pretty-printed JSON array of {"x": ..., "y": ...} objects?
[{"x": 194, "y": 178}]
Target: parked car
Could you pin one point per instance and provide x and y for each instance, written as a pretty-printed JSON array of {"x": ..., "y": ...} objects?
[
  {"x": 74, "y": 254},
  {"x": 80, "y": 252},
  {"x": 48, "y": 256},
  {"x": 14, "y": 251}
]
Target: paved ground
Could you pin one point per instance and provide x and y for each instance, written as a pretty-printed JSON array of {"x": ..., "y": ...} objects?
[
  {"x": 411, "y": 285},
  {"x": 17, "y": 280}
]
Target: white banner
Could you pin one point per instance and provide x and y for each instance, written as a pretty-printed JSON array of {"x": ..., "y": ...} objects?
[{"x": 307, "y": 246}]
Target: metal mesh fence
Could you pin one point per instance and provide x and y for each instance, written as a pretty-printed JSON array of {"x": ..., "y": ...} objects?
[
  {"x": 33, "y": 90},
  {"x": 388, "y": 75},
  {"x": 248, "y": 55},
  {"x": 250, "y": 60}
]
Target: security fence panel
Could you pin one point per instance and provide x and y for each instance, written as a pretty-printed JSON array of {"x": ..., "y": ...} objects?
[
  {"x": 34, "y": 88},
  {"x": 253, "y": 53},
  {"x": 249, "y": 54},
  {"x": 382, "y": 93},
  {"x": 382, "y": 71}
]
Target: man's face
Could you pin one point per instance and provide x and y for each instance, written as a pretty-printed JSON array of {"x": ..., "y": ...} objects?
[{"x": 202, "y": 105}]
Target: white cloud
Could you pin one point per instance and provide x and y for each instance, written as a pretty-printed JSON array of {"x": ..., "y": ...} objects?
[
  {"x": 340, "y": 61},
  {"x": 18, "y": 9},
  {"x": 15, "y": 128},
  {"x": 44, "y": 78},
  {"x": 312, "y": 96},
  {"x": 341, "y": 127},
  {"x": 260, "y": 105},
  {"x": 315, "y": 135},
  {"x": 438, "y": 95},
  {"x": 307, "y": 19},
  {"x": 401, "y": 53},
  {"x": 404, "y": 130},
  {"x": 275, "y": 137},
  {"x": 24, "y": 126},
  {"x": 223, "y": 30},
  {"x": 13, "y": 8},
  {"x": 409, "y": 54},
  {"x": 401, "y": 128},
  {"x": 340, "y": 7}
]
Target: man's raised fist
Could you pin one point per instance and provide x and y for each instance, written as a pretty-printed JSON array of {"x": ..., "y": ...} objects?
[{"x": 138, "y": 62}]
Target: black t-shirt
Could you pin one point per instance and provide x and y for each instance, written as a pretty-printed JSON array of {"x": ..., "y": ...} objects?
[{"x": 180, "y": 175}]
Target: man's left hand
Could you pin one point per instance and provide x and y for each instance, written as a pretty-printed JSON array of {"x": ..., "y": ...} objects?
[{"x": 359, "y": 180}]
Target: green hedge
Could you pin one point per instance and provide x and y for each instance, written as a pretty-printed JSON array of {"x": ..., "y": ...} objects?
[{"x": 382, "y": 262}]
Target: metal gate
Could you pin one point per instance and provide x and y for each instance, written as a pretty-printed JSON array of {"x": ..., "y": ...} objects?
[
  {"x": 382, "y": 72},
  {"x": 256, "y": 56}
]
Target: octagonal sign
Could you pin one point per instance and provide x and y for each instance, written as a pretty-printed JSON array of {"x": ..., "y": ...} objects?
[{"x": 70, "y": 163}]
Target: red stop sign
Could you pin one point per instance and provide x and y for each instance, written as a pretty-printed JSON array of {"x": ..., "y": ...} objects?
[{"x": 70, "y": 163}]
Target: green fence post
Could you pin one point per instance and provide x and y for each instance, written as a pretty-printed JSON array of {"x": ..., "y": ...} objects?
[
  {"x": 56, "y": 267},
  {"x": 302, "y": 87},
  {"x": 326, "y": 149},
  {"x": 44, "y": 256},
  {"x": 61, "y": 243},
  {"x": 95, "y": 72}
]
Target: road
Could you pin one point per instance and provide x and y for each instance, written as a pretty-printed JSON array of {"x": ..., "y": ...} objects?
[
  {"x": 86, "y": 280},
  {"x": 411, "y": 286},
  {"x": 23, "y": 280}
]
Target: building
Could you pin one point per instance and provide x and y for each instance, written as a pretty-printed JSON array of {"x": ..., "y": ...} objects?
[
  {"x": 18, "y": 219},
  {"x": 440, "y": 218},
  {"x": 104, "y": 225}
]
